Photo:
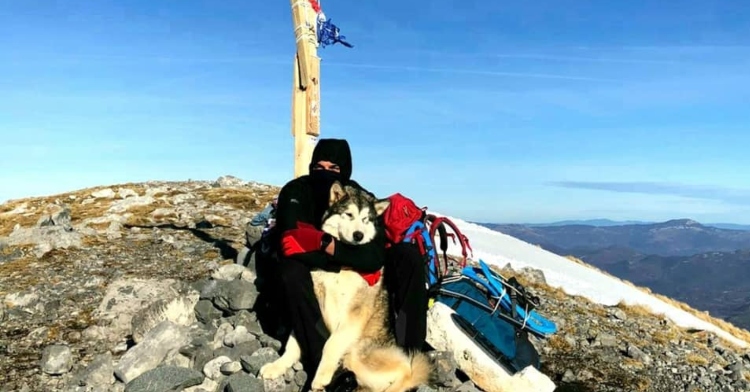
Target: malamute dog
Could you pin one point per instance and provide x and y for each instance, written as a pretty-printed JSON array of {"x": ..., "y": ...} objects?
[{"x": 356, "y": 313}]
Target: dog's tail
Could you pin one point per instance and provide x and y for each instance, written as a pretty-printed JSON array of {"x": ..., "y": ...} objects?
[{"x": 390, "y": 369}]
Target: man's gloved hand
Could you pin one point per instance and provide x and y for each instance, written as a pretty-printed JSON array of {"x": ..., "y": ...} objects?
[{"x": 305, "y": 238}]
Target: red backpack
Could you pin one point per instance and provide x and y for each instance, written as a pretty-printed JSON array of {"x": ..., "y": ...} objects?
[{"x": 406, "y": 222}]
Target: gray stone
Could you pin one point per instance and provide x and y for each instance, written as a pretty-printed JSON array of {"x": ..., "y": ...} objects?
[
  {"x": 165, "y": 378},
  {"x": 149, "y": 353},
  {"x": 241, "y": 382},
  {"x": 235, "y": 295},
  {"x": 100, "y": 372},
  {"x": 57, "y": 359},
  {"x": 205, "y": 311},
  {"x": 254, "y": 362}
]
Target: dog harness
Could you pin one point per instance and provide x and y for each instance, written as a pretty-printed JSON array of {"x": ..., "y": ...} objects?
[{"x": 371, "y": 277}]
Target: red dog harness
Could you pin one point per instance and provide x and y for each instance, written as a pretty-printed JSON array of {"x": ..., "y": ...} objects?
[{"x": 371, "y": 277}]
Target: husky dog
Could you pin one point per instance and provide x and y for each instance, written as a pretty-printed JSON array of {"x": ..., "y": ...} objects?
[{"x": 355, "y": 312}]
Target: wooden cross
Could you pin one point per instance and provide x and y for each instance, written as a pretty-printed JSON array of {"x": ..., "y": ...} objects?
[{"x": 306, "y": 89}]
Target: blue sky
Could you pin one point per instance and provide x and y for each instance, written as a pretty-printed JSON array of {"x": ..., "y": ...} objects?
[{"x": 490, "y": 111}]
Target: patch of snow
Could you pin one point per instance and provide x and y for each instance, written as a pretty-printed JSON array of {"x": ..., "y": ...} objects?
[{"x": 496, "y": 248}]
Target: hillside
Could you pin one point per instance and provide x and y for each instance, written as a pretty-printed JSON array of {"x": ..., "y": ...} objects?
[
  {"x": 88, "y": 277},
  {"x": 610, "y": 222}
]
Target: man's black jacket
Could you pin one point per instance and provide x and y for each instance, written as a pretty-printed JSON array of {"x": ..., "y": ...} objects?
[{"x": 296, "y": 205}]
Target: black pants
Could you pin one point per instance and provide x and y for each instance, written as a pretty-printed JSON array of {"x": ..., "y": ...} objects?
[{"x": 404, "y": 277}]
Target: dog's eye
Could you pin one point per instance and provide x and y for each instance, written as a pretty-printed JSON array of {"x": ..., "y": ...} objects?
[{"x": 349, "y": 215}]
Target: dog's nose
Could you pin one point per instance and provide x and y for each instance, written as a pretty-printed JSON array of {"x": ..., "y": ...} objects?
[{"x": 358, "y": 236}]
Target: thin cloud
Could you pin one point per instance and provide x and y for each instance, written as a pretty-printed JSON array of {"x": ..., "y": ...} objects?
[
  {"x": 273, "y": 60},
  {"x": 546, "y": 57},
  {"x": 471, "y": 72},
  {"x": 707, "y": 192}
]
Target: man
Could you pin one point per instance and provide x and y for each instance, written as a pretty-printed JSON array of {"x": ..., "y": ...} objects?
[{"x": 304, "y": 200}]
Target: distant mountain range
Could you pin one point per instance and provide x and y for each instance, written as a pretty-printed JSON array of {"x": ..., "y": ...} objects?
[
  {"x": 609, "y": 222},
  {"x": 703, "y": 265}
]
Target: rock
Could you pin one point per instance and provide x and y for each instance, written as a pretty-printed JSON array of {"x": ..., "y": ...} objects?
[
  {"x": 53, "y": 231},
  {"x": 99, "y": 373},
  {"x": 235, "y": 295},
  {"x": 619, "y": 314},
  {"x": 179, "y": 310},
  {"x": 636, "y": 353},
  {"x": 254, "y": 362},
  {"x": 147, "y": 354},
  {"x": 106, "y": 193},
  {"x": 128, "y": 297},
  {"x": 445, "y": 369},
  {"x": 165, "y": 378},
  {"x": 205, "y": 311},
  {"x": 230, "y": 368},
  {"x": 56, "y": 215},
  {"x": 57, "y": 359},
  {"x": 606, "y": 339},
  {"x": 229, "y": 272},
  {"x": 229, "y": 182},
  {"x": 212, "y": 369},
  {"x": 444, "y": 335},
  {"x": 244, "y": 383},
  {"x": 124, "y": 193}
]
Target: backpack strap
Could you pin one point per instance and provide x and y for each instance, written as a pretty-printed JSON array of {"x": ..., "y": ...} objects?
[{"x": 436, "y": 223}]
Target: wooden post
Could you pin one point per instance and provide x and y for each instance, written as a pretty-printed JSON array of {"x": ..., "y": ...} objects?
[{"x": 306, "y": 89}]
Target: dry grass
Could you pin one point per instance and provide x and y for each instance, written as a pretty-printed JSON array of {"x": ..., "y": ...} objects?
[
  {"x": 559, "y": 344},
  {"x": 664, "y": 337},
  {"x": 636, "y": 309},
  {"x": 633, "y": 363},
  {"x": 18, "y": 271},
  {"x": 239, "y": 198},
  {"x": 34, "y": 207},
  {"x": 696, "y": 359}
]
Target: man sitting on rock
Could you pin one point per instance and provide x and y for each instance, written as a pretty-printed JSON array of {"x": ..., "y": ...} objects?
[{"x": 305, "y": 199}]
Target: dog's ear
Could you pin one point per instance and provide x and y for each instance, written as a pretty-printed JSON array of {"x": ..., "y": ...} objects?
[
  {"x": 337, "y": 193},
  {"x": 381, "y": 205}
]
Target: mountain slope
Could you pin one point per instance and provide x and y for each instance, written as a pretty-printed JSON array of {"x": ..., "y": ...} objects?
[{"x": 68, "y": 260}]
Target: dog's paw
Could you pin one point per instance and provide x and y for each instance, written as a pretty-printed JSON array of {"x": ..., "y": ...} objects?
[
  {"x": 272, "y": 370},
  {"x": 319, "y": 387},
  {"x": 319, "y": 384}
]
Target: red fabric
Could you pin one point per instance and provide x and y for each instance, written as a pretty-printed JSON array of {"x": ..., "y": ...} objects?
[
  {"x": 305, "y": 238},
  {"x": 315, "y": 6},
  {"x": 399, "y": 215},
  {"x": 371, "y": 278}
]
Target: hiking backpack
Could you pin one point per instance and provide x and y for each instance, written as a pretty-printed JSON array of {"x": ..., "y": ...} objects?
[
  {"x": 406, "y": 222},
  {"x": 497, "y": 313}
]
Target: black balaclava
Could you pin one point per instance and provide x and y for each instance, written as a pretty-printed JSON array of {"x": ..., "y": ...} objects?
[{"x": 332, "y": 150}]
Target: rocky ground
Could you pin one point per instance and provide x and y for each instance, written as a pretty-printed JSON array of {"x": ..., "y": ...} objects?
[{"x": 134, "y": 288}]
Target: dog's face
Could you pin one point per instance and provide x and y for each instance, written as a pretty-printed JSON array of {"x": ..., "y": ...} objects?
[{"x": 352, "y": 214}]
